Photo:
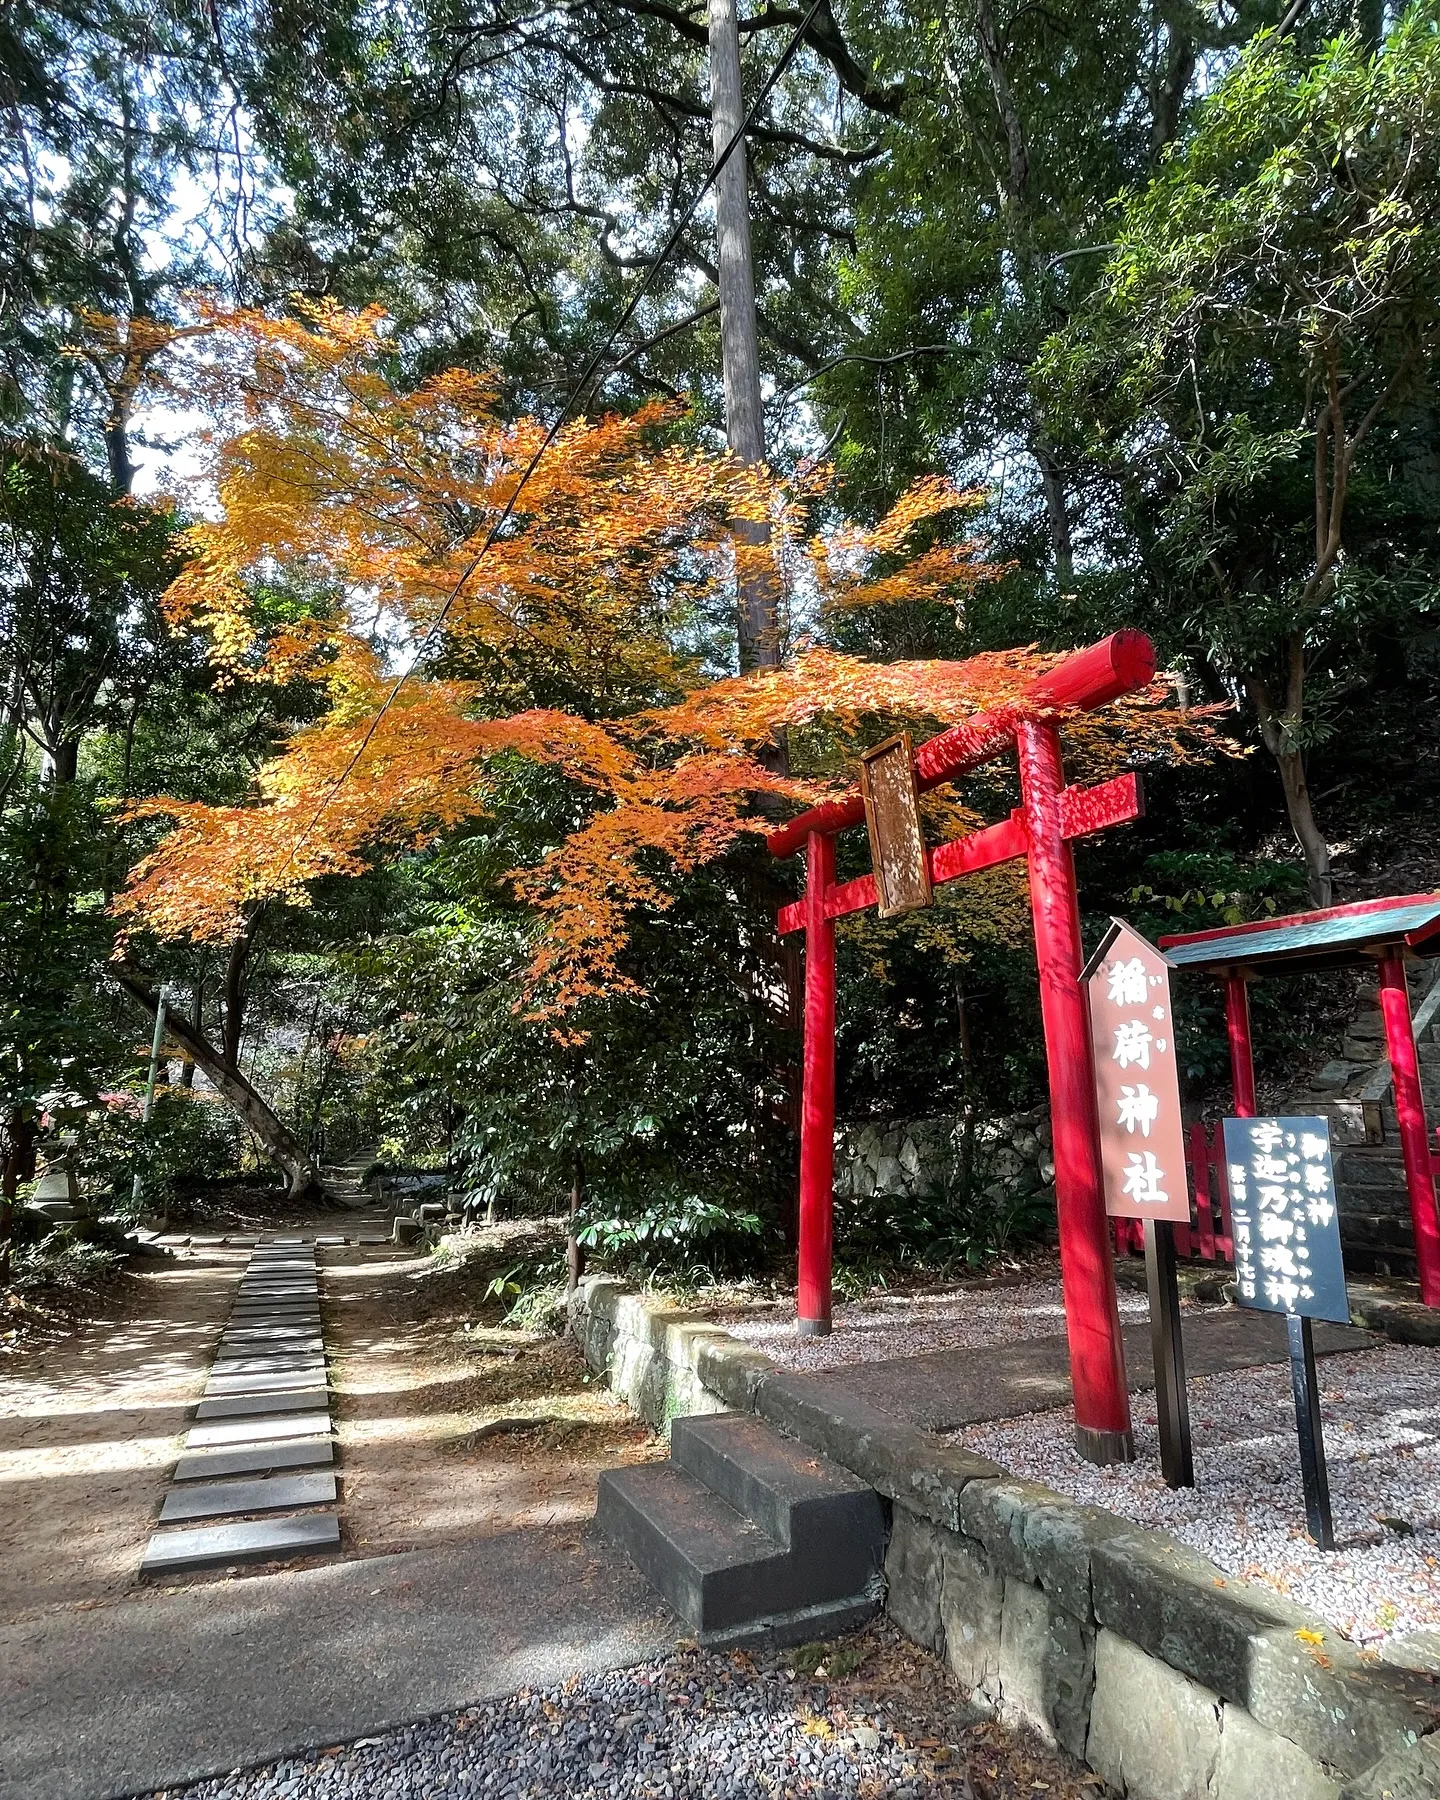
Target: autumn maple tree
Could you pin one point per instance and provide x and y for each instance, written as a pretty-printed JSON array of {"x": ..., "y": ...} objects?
[{"x": 592, "y": 634}]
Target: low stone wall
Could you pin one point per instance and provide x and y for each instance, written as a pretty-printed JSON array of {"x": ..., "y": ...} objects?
[
  {"x": 1171, "y": 1680},
  {"x": 918, "y": 1159}
]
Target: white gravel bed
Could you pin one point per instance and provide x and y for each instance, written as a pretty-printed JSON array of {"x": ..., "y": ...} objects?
[
  {"x": 954, "y": 1318},
  {"x": 688, "y": 1728},
  {"x": 1247, "y": 1510}
]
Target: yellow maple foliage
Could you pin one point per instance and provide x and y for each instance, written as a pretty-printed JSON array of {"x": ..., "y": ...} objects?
[{"x": 365, "y": 509}]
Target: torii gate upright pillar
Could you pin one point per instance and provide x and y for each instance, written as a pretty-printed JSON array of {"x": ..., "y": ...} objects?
[
  {"x": 1040, "y": 830},
  {"x": 817, "y": 1102},
  {"x": 1092, "y": 1317}
]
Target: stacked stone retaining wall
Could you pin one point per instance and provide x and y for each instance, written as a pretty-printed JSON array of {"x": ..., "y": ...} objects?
[{"x": 1171, "y": 1680}]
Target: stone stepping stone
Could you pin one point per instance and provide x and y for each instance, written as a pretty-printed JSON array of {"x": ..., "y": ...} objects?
[
  {"x": 275, "y": 1362},
  {"x": 276, "y": 1381},
  {"x": 255, "y": 1459},
  {"x": 272, "y": 1343},
  {"x": 328, "y": 1243},
  {"x": 275, "y": 1315},
  {"x": 302, "y": 1322},
  {"x": 258, "y": 1430},
  {"x": 239, "y": 1406},
  {"x": 256, "y": 1540},
  {"x": 275, "y": 1493},
  {"x": 275, "y": 1338}
]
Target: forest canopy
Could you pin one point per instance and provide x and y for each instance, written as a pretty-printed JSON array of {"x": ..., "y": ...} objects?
[{"x": 430, "y": 805}]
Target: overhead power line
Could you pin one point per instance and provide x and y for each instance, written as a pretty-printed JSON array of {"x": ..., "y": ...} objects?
[{"x": 587, "y": 376}]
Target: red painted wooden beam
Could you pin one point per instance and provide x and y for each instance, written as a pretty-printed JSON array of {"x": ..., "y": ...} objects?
[
  {"x": 1082, "y": 811},
  {"x": 1090, "y": 678}
]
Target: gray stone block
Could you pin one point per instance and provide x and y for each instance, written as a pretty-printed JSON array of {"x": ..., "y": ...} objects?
[
  {"x": 257, "y": 1431},
  {"x": 1039, "y": 1535},
  {"x": 1047, "y": 1666},
  {"x": 238, "y": 1406},
  {"x": 275, "y": 1493},
  {"x": 1154, "y": 1735},
  {"x": 1256, "y": 1764},
  {"x": 972, "y": 1601},
  {"x": 1417, "y": 1650},
  {"x": 914, "y": 1573},
  {"x": 732, "y": 1371},
  {"x": 913, "y": 1468},
  {"x": 1410, "y": 1774},
  {"x": 256, "y": 1540},
  {"x": 255, "y": 1459},
  {"x": 1241, "y": 1641},
  {"x": 1345, "y": 1710},
  {"x": 1177, "y": 1606}
]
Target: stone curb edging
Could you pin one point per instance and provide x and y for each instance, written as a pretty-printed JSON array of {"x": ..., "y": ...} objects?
[{"x": 1134, "y": 1652}]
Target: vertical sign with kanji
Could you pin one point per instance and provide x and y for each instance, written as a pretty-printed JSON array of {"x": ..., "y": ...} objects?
[
  {"x": 1288, "y": 1260},
  {"x": 1283, "y": 1217},
  {"x": 1142, "y": 1138}
]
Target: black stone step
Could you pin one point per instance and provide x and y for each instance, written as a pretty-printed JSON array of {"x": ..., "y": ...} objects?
[
  {"x": 748, "y": 1536},
  {"x": 716, "y": 1569},
  {"x": 795, "y": 1496}
]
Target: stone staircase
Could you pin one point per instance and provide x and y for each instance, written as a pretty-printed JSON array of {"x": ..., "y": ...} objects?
[
  {"x": 750, "y": 1537},
  {"x": 1356, "y": 1093}
]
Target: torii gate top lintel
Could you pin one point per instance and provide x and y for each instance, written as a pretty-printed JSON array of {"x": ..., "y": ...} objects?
[{"x": 1039, "y": 829}]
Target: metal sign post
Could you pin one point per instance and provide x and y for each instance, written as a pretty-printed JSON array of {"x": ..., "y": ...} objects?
[
  {"x": 1142, "y": 1151},
  {"x": 1286, "y": 1229}
]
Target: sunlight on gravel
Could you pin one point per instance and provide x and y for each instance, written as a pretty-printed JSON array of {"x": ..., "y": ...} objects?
[
  {"x": 953, "y": 1318},
  {"x": 1247, "y": 1510}
]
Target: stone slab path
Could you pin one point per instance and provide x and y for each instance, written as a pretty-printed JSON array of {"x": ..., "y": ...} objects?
[
  {"x": 266, "y": 1409},
  {"x": 165, "y": 1688},
  {"x": 941, "y": 1390}
]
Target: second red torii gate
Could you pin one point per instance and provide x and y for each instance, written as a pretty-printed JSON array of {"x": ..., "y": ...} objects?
[{"x": 1040, "y": 829}]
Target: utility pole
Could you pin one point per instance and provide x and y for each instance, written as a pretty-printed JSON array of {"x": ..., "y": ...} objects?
[{"x": 759, "y": 621}]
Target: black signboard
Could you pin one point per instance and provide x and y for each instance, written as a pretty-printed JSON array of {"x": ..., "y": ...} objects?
[
  {"x": 1284, "y": 1219},
  {"x": 1286, "y": 1230}
]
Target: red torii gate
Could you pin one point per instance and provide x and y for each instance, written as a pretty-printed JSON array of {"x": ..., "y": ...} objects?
[{"x": 1040, "y": 829}]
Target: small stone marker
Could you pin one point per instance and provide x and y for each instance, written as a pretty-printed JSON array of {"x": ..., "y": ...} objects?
[
  {"x": 237, "y": 1406},
  {"x": 255, "y": 1540},
  {"x": 277, "y": 1493},
  {"x": 258, "y": 1430},
  {"x": 256, "y": 1459}
]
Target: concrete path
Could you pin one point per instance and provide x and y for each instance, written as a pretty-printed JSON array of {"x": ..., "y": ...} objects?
[
  {"x": 945, "y": 1389},
  {"x": 163, "y": 1689}
]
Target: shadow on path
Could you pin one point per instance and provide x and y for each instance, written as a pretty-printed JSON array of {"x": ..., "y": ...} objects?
[{"x": 151, "y": 1693}]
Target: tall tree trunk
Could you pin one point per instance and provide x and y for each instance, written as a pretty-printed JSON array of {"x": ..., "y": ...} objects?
[
  {"x": 279, "y": 1142},
  {"x": 759, "y": 617},
  {"x": 18, "y": 1135},
  {"x": 574, "y": 1249},
  {"x": 1276, "y": 732},
  {"x": 1311, "y": 839}
]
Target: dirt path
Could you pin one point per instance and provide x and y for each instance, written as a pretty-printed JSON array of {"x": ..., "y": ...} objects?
[
  {"x": 418, "y": 1374},
  {"x": 91, "y": 1426}
]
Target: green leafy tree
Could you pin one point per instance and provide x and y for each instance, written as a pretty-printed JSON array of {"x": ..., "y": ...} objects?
[{"x": 1254, "y": 377}]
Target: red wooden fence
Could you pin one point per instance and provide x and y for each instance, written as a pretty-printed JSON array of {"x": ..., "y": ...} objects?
[{"x": 1207, "y": 1236}]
